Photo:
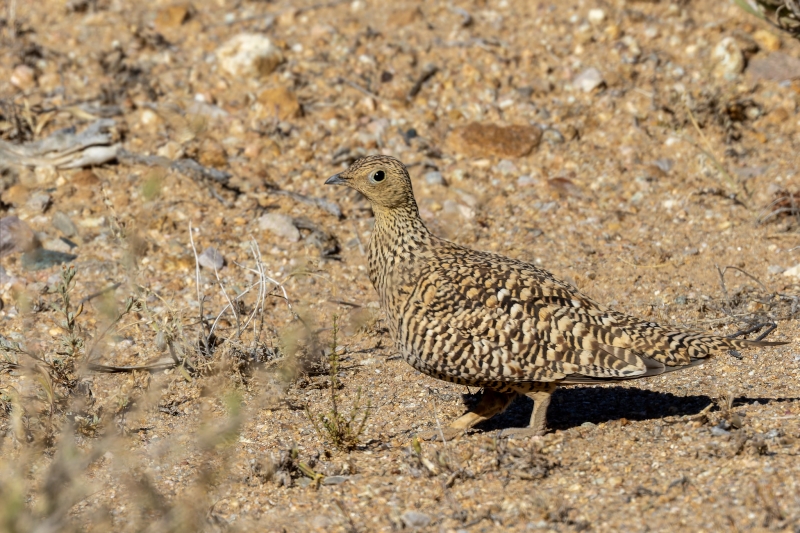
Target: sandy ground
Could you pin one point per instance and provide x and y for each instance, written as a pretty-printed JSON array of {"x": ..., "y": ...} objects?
[{"x": 654, "y": 169}]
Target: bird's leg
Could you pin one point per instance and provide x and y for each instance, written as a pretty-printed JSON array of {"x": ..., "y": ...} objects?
[
  {"x": 491, "y": 403},
  {"x": 541, "y": 394}
]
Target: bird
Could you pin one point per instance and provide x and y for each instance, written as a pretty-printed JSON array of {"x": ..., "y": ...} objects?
[{"x": 482, "y": 319}]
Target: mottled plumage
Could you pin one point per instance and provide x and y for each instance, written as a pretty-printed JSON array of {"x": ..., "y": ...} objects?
[{"x": 482, "y": 319}]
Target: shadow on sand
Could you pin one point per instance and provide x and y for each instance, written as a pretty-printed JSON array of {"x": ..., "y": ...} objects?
[{"x": 572, "y": 406}]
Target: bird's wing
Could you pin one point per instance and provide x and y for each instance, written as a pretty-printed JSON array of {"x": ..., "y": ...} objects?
[{"x": 489, "y": 318}]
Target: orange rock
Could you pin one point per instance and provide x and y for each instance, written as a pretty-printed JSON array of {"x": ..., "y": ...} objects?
[
  {"x": 280, "y": 102},
  {"x": 172, "y": 16},
  {"x": 484, "y": 140},
  {"x": 404, "y": 17},
  {"x": 15, "y": 195},
  {"x": 212, "y": 154}
]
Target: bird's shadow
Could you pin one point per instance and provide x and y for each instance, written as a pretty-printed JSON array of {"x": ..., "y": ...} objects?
[{"x": 571, "y": 407}]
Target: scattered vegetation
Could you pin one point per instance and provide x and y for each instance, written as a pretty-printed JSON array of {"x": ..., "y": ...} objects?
[
  {"x": 782, "y": 14},
  {"x": 343, "y": 431}
]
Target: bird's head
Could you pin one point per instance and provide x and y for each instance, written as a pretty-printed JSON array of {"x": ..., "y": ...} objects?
[{"x": 382, "y": 179}]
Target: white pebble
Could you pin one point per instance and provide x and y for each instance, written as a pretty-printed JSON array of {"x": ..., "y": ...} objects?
[{"x": 596, "y": 16}]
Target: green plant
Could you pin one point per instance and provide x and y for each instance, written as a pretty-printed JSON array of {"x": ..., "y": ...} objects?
[
  {"x": 782, "y": 14},
  {"x": 344, "y": 432}
]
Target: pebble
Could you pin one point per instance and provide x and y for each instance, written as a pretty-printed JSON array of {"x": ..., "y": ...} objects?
[
  {"x": 719, "y": 432},
  {"x": 64, "y": 224},
  {"x": 477, "y": 140},
  {"x": 588, "y": 80},
  {"x": 596, "y": 16},
  {"x": 211, "y": 259},
  {"x": 506, "y": 167},
  {"x": 41, "y": 259},
  {"x": 589, "y": 425},
  {"x": 39, "y": 201},
  {"x": 553, "y": 136},
  {"x": 279, "y": 102},
  {"x": 767, "y": 40},
  {"x": 16, "y": 236},
  {"x": 15, "y": 195},
  {"x": 280, "y": 225},
  {"x": 776, "y": 269},
  {"x": 5, "y": 277},
  {"x": 415, "y": 519},
  {"x": 172, "y": 16},
  {"x": 334, "y": 480},
  {"x": 526, "y": 181},
  {"x": 434, "y": 178},
  {"x": 212, "y": 154},
  {"x": 777, "y": 66},
  {"x": 793, "y": 272},
  {"x": 728, "y": 57},
  {"x": 249, "y": 55},
  {"x": 23, "y": 77}
]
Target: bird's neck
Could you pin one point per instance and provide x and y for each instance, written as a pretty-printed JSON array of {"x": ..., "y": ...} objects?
[{"x": 398, "y": 239}]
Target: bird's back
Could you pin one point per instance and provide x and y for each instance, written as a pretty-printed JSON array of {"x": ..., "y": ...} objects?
[{"x": 477, "y": 317}]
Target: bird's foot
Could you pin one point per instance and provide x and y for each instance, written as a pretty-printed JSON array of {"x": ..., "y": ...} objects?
[{"x": 449, "y": 433}]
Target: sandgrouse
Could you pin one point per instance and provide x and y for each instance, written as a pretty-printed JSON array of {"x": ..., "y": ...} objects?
[{"x": 482, "y": 319}]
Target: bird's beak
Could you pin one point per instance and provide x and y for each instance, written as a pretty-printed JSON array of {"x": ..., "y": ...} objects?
[{"x": 336, "y": 179}]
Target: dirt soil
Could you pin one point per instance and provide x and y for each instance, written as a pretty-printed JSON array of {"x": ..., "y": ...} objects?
[{"x": 654, "y": 164}]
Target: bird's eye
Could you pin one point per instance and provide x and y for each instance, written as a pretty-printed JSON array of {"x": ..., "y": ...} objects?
[{"x": 377, "y": 176}]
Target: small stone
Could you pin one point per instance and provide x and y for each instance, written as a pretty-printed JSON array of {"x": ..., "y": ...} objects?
[
  {"x": 249, "y": 55},
  {"x": 596, "y": 16},
  {"x": 287, "y": 17},
  {"x": 776, "y": 269},
  {"x": 206, "y": 109},
  {"x": 279, "y": 102},
  {"x": 41, "y": 259},
  {"x": 484, "y": 140},
  {"x": 404, "y": 17},
  {"x": 172, "y": 16},
  {"x": 506, "y": 167},
  {"x": 414, "y": 519},
  {"x": 45, "y": 174},
  {"x": 212, "y": 154},
  {"x": 664, "y": 164},
  {"x": 334, "y": 480},
  {"x": 526, "y": 181},
  {"x": 434, "y": 178},
  {"x": 590, "y": 425},
  {"x": 149, "y": 118},
  {"x": 16, "y": 195},
  {"x": 86, "y": 184},
  {"x": 719, "y": 432},
  {"x": 793, "y": 272},
  {"x": 553, "y": 136},
  {"x": 39, "y": 202},
  {"x": 23, "y": 77},
  {"x": 64, "y": 224},
  {"x": 16, "y": 236},
  {"x": 777, "y": 67},
  {"x": 570, "y": 132},
  {"x": 211, "y": 259},
  {"x": 171, "y": 150},
  {"x": 767, "y": 40},
  {"x": 280, "y": 225},
  {"x": 728, "y": 57},
  {"x": 588, "y": 80}
]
